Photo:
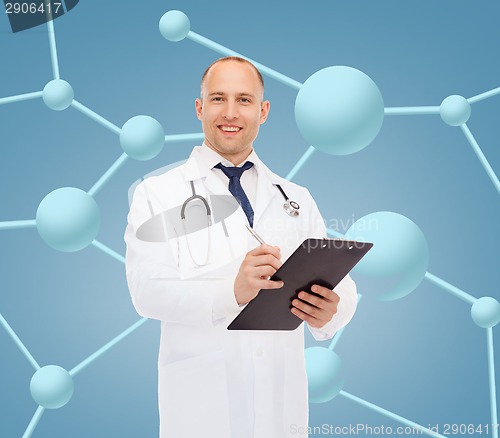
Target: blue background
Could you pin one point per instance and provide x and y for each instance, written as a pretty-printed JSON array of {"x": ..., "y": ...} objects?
[{"x": 421, "y": 357}]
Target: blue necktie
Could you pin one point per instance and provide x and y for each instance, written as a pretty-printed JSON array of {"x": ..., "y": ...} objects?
[{"x": 234, "y": 174}]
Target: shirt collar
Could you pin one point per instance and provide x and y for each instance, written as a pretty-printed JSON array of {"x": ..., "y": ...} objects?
[
  {"x": 211, "y": 158},
  {"x": 203, "y": 159}
]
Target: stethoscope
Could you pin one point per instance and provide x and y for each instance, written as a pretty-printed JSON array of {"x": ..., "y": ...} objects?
[
  {"x": 290, "y": 207},
  {"x": 193, "y": 197}
]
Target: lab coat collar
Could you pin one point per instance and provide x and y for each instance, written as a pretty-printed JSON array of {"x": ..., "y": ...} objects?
[{"x": 203, "y": 159}]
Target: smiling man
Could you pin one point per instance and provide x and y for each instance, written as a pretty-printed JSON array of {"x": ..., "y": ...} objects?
[{"x": 214, "y": 382}]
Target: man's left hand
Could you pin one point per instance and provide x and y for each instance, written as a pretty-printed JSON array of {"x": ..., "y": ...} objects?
[{"x": 314, "y": 310}]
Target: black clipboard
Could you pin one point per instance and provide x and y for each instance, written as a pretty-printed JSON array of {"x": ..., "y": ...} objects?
[{"x": 316, "y": 261}]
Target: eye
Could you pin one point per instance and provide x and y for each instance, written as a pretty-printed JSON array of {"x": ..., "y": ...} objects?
[{"x": 244, "y": 100}]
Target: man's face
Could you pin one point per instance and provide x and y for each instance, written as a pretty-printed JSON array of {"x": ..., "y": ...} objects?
[{"x": 231, "y": 109}]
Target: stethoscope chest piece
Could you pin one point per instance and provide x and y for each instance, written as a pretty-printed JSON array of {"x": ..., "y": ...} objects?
[{"x": 292, "y": 208}]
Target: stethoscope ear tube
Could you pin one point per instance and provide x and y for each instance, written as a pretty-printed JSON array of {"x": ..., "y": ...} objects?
[
  {"x": 209, "y": 223},
  {"x": 193, "y": 197}
]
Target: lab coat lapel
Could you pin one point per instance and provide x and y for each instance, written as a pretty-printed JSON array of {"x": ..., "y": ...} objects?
[
  {"x": 195, "y": 171},
  {"x": 266, "y": 191},
  {"x": 214, "y": 185}
]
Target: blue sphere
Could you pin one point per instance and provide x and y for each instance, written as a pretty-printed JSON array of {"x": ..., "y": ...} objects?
[
  {"x": 142, "y": 138},
  {"x": 339, "y": 110},
  {"x": 174, "y": 25},
  {"x": 51, "y": 387},
  {"x": 58, "y": 94},
  {"x": 485, "y": 312},
  {"x": 68, "y": 219},
  {"x": 324, "y": 376},
  {"x": 455, "y": 110},
  {"x": 400, "y": 255}
]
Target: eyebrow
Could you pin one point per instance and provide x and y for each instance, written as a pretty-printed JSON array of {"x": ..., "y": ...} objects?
[{"x": 220, "y": 93}]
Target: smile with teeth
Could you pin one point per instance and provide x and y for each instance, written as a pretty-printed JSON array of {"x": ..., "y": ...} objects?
[{"x": 228, "y": 128}]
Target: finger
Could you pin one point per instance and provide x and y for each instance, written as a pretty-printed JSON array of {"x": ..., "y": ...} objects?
[
  {"x": 324, "y": 309},
  {"x": 264, "y": 271},
  {"x": 269, "y": 284},
  {"x": 326, "y": 293},
  {"x": 307, "y": 308},
  {"x": 304, "y": 316},
  {"x": 265, "y": 260},
  {"x": 314, "y": 299},
  {"x": 266, "y": 249}
]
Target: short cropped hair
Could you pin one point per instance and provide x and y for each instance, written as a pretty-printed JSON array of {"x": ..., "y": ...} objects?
[{"x": 232, "y": 58}]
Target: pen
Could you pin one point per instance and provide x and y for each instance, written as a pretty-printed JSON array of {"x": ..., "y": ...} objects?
[{"x": 254, "y": 234}]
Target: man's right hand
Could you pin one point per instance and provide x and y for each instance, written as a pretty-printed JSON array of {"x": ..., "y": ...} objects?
[{"x": 255, "y": 270}]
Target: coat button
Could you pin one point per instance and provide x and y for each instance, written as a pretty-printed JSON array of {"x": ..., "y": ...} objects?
[{"x": 259, "y": 351}]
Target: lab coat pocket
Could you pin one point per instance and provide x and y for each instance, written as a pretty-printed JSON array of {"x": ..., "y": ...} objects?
[{"x": 194, "y": 388}]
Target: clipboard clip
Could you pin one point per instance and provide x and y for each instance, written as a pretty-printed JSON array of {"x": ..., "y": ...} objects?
[{"x": 325, "y": 244}]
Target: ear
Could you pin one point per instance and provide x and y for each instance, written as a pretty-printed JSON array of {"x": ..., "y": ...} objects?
[
  {"x": 264, "y": 111},
  {"x": 199, "y": 108}
]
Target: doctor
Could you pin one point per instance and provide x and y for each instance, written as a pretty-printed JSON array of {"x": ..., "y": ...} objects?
[{"x": 214, "y": 382}]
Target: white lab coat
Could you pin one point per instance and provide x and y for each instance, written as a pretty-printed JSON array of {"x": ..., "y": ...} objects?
[{"x": 214, "y": 382}]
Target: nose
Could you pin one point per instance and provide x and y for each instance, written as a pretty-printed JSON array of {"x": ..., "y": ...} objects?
[{"x": 230, "y": 111}]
